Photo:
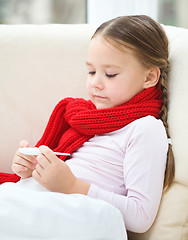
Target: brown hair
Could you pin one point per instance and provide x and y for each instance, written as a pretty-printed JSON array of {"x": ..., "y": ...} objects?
[{"x": 149, "y": 43}]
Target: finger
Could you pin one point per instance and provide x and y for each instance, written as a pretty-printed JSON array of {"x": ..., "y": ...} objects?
[
  {"x": 30, "y": 158},
  {"x": 36, "y": 175},
  {"x": 43, "y": 160},
  {"x": 24, "y": 143},
  {"x": 28, "y": 161},
  {"x": 46, "y": 151},
  {"x": 19, "y": 168},
  {"x": 39, "y": 169},
  {"x": 25, "y": 164}
]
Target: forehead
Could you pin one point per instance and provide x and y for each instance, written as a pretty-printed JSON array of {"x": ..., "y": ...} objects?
[
  {"x": 99, "y": 42},
  {"x": 99, "y": 47},
  {"x": 101, "y": 50}
]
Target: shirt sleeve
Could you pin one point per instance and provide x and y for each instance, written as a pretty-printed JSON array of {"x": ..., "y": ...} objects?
[{"x": 144, "y": 168}]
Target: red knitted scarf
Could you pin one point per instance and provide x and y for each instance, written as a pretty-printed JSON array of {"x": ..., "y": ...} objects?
[{"x": 75, "y": 121}]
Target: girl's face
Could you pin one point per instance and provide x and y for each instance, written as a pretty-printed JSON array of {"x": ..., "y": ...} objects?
[{"x": 114, "y": 77}]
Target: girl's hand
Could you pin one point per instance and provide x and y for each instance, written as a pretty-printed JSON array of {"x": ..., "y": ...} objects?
[
  {"x": 55, "y": 175},
  {"x": 23, "y": 165}
]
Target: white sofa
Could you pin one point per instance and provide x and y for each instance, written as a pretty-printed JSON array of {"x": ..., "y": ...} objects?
[{"x": 41, "y": 64}]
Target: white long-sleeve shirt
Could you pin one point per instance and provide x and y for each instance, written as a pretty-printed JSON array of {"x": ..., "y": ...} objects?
[{"x": 126, "y": 168}]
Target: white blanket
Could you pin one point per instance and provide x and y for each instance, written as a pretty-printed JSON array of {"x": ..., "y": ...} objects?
[{"x": 29, "y": 211}]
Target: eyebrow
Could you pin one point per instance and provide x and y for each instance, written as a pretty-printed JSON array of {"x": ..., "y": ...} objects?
[{"x": 104, "y": 65}]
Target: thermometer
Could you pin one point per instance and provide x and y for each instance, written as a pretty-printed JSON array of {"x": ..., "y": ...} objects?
[{"x": 35, "y": 151}]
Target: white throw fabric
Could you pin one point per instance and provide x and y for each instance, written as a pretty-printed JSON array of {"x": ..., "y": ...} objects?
[{"x": 29, "y": 211}]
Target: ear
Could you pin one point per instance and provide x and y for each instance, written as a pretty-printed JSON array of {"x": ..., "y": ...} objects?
[{"x": 152, "y": 77}]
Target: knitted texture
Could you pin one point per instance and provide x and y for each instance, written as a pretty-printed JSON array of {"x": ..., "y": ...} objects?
[
  {"x": 8, "y": 177},
  {"x": 75, "y": 120}
]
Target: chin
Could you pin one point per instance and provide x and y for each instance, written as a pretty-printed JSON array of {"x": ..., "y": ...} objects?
[
  {"x": 98, "y": 106},
  {"x": 101, "y": 106}
]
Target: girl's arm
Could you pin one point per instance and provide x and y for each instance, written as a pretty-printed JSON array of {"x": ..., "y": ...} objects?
[{"x": 144, "y": 167}]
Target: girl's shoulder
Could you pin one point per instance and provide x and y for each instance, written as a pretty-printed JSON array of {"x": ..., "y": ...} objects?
[
  {"x": 148, "y": 122},
  {"x": 148, "y": 129},
  {"x": 144, "y": 124}
]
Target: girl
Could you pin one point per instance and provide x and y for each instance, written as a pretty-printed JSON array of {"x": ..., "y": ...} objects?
[{"x": 117, "y": 139}]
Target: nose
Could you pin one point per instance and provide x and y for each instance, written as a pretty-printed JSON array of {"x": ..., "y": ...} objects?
[{"x": 97, "y": 81}]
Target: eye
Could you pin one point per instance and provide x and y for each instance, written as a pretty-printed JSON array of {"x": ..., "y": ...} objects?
[
  {"x": 91, "y": 73},
  {"x": 111, "y": 75}
]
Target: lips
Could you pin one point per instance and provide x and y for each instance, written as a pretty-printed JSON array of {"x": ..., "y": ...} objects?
[{"x": 99, "y": 97}]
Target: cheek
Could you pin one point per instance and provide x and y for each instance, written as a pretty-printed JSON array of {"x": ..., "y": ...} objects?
[
  {"x": 122, "y": 91},
  {"x": 88, "y": 87}
]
